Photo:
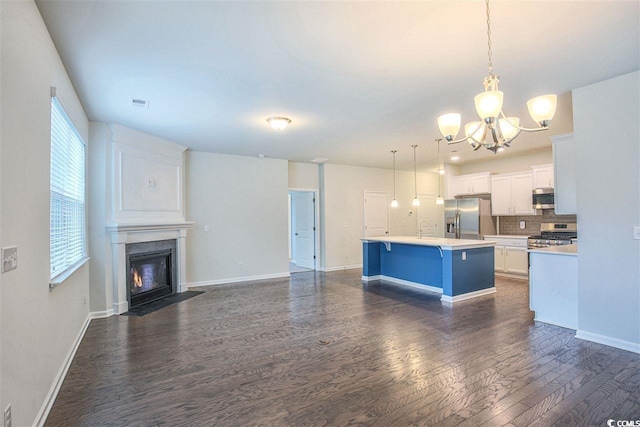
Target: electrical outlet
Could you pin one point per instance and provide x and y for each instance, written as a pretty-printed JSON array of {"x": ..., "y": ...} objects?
[
  {"x": 7, "y": 416},
  {"x": 9, "y": 258},
  {"x": 522, "y": 225},
  {"x": 464, "y": 256},
  {"x": 84, "y": 300},
  {"x": 636, "y": 232}
]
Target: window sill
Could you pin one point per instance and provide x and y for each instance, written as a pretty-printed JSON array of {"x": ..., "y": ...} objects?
[{"x": 60, "y": 278}]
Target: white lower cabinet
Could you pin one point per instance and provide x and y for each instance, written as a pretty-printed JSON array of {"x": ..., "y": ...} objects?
[
  {"x": 516, "y": 261},
  {"x": 510, "y": 254}
]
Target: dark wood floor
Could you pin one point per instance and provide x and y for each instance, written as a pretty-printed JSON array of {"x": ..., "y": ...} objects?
[{"x": 324, "y": 349}]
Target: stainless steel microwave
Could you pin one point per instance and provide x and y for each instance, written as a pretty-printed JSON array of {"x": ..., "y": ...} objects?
[{"x": 543, "y": 198}]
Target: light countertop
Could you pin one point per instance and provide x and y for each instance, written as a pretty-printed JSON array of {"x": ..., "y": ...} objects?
[
  {"x": 505, "y": 236},
  {"x": 445, "y": 244},
  {"x": 571, "y": 250}
]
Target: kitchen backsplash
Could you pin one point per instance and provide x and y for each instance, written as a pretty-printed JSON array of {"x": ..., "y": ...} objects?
[{"x": 511, "y": 224}]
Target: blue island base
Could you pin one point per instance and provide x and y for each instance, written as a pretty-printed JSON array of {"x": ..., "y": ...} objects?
[{"x": 457, "y": 274}]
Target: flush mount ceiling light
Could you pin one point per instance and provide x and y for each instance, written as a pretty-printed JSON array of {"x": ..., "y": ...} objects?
[
  {"x": 394, "y": 202},
  {"x": 495, "y": 130},
  {"x": 278, "y": 123}
]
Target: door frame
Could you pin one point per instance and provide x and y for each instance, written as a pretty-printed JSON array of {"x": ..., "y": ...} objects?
[{"x": 316, "y": 221}]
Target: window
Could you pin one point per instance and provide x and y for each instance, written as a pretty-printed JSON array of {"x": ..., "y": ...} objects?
[{"x": 67, "y": 208}]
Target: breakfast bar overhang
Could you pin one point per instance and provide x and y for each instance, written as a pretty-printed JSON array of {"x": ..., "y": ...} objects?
[{"x": 458, "y": 269}]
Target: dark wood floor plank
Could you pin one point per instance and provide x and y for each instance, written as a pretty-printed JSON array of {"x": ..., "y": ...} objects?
[{"x": 324, "y": 349}]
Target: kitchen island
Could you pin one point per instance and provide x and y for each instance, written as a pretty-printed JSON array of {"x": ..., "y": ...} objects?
[{"x": 458, "y": 269}]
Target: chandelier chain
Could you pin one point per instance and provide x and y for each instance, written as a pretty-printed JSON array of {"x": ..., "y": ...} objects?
[{"x": 489, "y": 38}]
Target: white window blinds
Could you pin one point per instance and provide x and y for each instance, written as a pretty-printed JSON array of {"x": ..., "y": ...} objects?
[{"x": 67, "y": 209}]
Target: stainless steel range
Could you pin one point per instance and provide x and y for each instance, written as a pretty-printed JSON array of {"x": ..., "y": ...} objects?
[{"x": 553, "y": 234}]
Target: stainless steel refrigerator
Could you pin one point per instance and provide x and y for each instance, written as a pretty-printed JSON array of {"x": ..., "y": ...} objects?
[{"x": 468, "y": 219}]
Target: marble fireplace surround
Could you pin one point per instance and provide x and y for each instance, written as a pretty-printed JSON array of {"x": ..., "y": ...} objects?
[{"x": 123, "y": 234}]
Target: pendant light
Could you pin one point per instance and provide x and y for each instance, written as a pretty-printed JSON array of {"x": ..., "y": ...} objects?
[
  {"x": 394, "y": 202},
  {"x": 416, "y": 201},
  {"x": 495, "y": 130},
  {"x": 439, "y": 199}
]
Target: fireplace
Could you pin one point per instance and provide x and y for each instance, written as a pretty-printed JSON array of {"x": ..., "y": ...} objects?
[{"x": 151, "y": 271}]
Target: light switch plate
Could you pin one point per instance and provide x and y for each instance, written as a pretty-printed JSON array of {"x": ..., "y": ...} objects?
[
  {"x": 9, "y": 258},
  {"x": 636, "y": 232},
  {"x": 522, "y": 225}
]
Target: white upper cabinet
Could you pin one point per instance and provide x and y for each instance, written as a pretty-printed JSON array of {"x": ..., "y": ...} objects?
[
  {"x": 564, "y": 161},
  {"x": 543, "y": 176},
  {"x": 501, "y": 195},
  {"x": 477, "y": 183},
  {"x": 511, "y": 194}
]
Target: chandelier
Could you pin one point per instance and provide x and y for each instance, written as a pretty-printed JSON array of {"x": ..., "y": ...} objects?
[{"x": 495, "y": 130}]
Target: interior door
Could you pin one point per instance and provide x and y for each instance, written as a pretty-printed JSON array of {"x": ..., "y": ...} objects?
[
  {"x": 430, "y": 216},
  {"x": 304, "y": 212},
  {"x": 376, "y": 214}
]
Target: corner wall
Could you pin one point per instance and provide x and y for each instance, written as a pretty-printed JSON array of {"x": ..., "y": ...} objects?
[
  {"x": 39, "y": 327},
  {"x": 608, "y": 205}
]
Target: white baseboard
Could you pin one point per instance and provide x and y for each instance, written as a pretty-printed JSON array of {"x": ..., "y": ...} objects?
[
  {"x": 554, "y": 322},
  {"x": 468, "y": 295},
  {"x": 606, "y": 340},
  {"x": 410, "y": 284},
  {"x": 101, "y": 314},
  {"x": 340, "y": 268},
  {"x": 119, "y": 308},
  {"x": 237, "y": 279},
  {"x": 43, "y": 413},
  {"x": 371, "y": 278}
]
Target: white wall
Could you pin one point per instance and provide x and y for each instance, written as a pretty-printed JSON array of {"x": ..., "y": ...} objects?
[
  {"x": 39, "y": 327},
  {"x": 343, "y": 196},
  {"x": 608, "y": 206},
  {"x": 304, "y": 176},
  {"x": 243, "y": 201}
]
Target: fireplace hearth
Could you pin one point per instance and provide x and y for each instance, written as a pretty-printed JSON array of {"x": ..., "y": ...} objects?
[{"x": 151, "y": 271}]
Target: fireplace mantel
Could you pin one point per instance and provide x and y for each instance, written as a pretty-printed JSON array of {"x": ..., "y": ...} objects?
[{"x": 125, "y": 233}]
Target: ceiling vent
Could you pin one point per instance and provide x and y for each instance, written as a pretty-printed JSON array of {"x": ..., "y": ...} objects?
[{"x": 140, "y": 103}]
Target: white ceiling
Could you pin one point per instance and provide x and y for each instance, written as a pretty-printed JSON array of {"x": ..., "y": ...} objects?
[{"x": 357, "y": 79}]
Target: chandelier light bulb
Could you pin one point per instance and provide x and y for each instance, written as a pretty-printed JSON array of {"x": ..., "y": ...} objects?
[
  {"x": 542, "y": 108},
  {"x": 394, "y": 203},
  {"x": 439, "y": 201},
  {"x": 489, "y": 104},
  {"x": 509, "y": 127},
  {"x": 415, "y": 202},
  {"x": 474, "y": 130},
  {"x": 449, "y": 125}
]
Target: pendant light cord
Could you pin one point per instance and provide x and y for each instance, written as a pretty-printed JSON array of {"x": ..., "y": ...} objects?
[
  {"x": 415, "y": 173},
  {"x": 394, "y": 173}
]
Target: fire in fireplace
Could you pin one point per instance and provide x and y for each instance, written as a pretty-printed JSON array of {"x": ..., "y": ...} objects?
[{"x": 151, "y": 267}]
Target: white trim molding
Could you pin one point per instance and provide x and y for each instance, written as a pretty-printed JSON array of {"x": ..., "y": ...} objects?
[
  {"x": 406, "y": 283},
  {"x": 236, "y": 280},
  {"x": 340, "y": 268},
  {"x": 468, "y": 295},
  {"x": 606, "y": 340},
  {"x": 43, "y": 413}
]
